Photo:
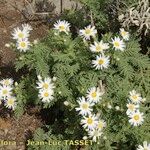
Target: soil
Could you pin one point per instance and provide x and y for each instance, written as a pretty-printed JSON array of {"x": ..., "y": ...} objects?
[
  {"x": 12, "y": 14},
  {"x": 12, "y": 129},
  {"x": 18, "y": 131}
]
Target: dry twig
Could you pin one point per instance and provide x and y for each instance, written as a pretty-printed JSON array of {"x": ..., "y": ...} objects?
[{"x": 137, "y": 16}]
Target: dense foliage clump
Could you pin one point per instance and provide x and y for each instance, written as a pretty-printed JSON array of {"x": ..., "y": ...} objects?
[{"x": 96, "y": 86}]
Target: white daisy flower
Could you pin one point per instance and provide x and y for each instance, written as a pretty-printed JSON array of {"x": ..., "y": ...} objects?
[
  {"x": 46, "y": 95},
  {"x": 84, "y": 107},
  {"x": 131, "y": 108},
  {"x": 136, "y": 118},
  {"x": 101, "y": 124},
  {"x": 118, "y": 44},
  {"x": 19, "y": 34},
  {"x": 7, "y": 82},
  {"x": 10, "y": 102},
  {"x": 93, "y": 95},
  {"x": 26, "y": 27},
  {"x": 62, "y": 26},
  {"x": 23, "y": 45},
  {"x": 125, "y": 35},
  {"x": 88, "y": 32},
  {"x": 89, "y": 122},
  {"x": 145, "y": 146},
  {"x": 95, "y": 134},
  {"x": 99, "y": 46},
  {"x": 135, "y": 97},
  {"x": 101, "y": 62},
  {"x": 45, "y": 84},
  {"x": 5, "y": 91}
]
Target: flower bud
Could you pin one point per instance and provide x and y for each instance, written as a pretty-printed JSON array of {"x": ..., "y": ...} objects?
[
  {"x": 104, "y": 105},
  {"x": 109, "y": 106},
  {"x": 54, "y": 78},
  {"x": 117, "y": 108},
  {"x": 66, "y": 103},
  {"x": 7, "y": 45},
  {"x": 16, "y": 83},
  {"x": 85, "y": 138},
  {"x": 98, "y": 115},
  {"x": 117, "y": 59},
  {"x": 143, "y": 100},
  {"x": 55, "y": 33},
  {"x": 39, "y": 77},
  {"x": 35, "y": 42}
]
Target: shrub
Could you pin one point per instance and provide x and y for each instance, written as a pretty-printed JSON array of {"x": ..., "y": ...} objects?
[{"x": 111, "y": 76}]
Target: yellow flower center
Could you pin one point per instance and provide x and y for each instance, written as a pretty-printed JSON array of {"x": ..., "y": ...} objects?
[
  {"x": 116, "y": 44},
  {"x": 20, "y": 35},
  {"x": 45, "y": 86},
  {"x": 87, "y": 31},
  {"x": 94, "y": 94},
  {"x": 131, "y": 107},
  {"x": 5, "y": 92},
  {"x": 100, "y": 125},
  {"x": 62, "y": 28},
  {"x": 90, "y": 121},
  {"x": 46, "y": 94},
  {"x": 6, "y": 82},
  {"x": 136, "y": 117},
  {"x": 85, "y": 106},
  {"x": 101, "y": 61},
  {"x": 10, "y": 102},
  {"x": 134, "y": 97},
  {"x": 124, "y": 33},
  {"x": 98, "y": 48},
  {"x": 23, "y": 44}
]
